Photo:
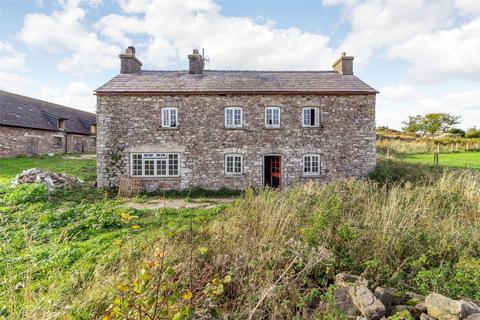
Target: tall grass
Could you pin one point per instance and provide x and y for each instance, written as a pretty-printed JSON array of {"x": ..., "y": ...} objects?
[
  {"x": 281, "y": 249},
  {"x": 426, "y": 145}
]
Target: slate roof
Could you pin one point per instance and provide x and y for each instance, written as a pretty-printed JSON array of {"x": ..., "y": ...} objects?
[
  {"x": 21, "y": 111},
  {"x": 249, "y": 82}
]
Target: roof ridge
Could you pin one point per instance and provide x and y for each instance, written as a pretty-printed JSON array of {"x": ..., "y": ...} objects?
[
  {"x": 225, "y": 71},
  {"x": 44, "y": 101}
]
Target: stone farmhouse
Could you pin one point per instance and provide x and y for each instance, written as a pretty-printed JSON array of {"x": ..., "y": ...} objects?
[
  {"x": 29, "y": 127},
  {"x": 233, "y": 129}
]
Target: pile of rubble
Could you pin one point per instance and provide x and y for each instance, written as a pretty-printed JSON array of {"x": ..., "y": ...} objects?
[
  {"x": 51, "y": 179},
  {"x": 354, "y": 298}
]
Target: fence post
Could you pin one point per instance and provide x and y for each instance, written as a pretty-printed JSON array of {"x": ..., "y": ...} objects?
[{"x": 435, "y": 159}]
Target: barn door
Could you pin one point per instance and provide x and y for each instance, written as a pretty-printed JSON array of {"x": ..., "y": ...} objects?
[
  {"x": 32, "y": 146},
  {"x": 273, "y": 171}
]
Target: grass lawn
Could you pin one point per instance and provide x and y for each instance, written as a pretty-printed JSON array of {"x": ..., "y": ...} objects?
[
  {"x": 454, "y": 160},
  {"x": 81, "y": 168}
]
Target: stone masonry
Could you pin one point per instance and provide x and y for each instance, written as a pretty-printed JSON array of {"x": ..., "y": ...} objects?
[
  {"x": 16, "y": 141},
  {"x": 130, "y": 123}
]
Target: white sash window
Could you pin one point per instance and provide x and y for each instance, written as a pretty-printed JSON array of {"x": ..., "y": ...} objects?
[
  {"x": 311, "y": 117},
  {"x": 311, "y": 164},
  {"x": 169, "y": 118},
  {"x": 233, "y": 117},
  {"x": 272, "y": 117},
  {"x": 233, "y": 164}
]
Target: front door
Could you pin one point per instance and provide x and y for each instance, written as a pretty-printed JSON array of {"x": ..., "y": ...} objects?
[{"x": 273, "y": 171}]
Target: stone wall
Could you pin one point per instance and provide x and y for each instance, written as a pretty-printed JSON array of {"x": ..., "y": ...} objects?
[
  {"x": 345, "y": 139},
  {"x": 16, "y": 141}
]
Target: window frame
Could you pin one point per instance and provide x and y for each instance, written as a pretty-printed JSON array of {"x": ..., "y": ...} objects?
[
  {"x": 169, "y": 110},
  {"x": 234, "y": 155},
  {"x": 317, "y": 119},
  {"x": 233, "y": 125},
  {"x": 273, "y": 108},
  {"x": 152, "y": 156},
  {"x": 311, "y": 174},
  {"x": 60, "y": 145}
]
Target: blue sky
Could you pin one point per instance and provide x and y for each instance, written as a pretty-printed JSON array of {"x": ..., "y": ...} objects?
[{"x": 422, "y": 55}]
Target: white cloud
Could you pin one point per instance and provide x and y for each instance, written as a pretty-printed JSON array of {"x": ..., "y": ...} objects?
[
  {"x": 10, "y": 58},
  {"x": 443, "y": 54},
  {"x": 429, "y": 34},
  {"x": 468, "y": 7},
  {"x": 77, "y": 95},
  {"x": 173, "y": 28},
  {"x": 13, "y": 82},
  {"x": 378, "y": 24},
  {"x": 396, "y": 103},
  {"x": 64, "y": 32}
]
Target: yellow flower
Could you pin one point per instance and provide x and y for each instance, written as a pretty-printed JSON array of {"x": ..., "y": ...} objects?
[
  {"x": 135, "y": 226},
  {"x": 118, "y": 242},
  {"x": 187, "y": 295}
]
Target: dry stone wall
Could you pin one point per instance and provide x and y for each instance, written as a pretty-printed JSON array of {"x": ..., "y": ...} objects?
[
  {"x": 345, "y": 139},
  {"x": 16, "y": 141}
]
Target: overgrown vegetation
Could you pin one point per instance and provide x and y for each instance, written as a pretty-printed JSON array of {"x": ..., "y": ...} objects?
[
  {"x": 79, "y": 254},
  {"x": 81, "y": 167}
]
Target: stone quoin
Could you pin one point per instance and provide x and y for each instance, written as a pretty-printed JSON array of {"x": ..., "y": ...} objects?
[{"x": 233, "y": 129}]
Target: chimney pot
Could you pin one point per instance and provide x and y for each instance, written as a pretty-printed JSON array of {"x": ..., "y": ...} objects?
[
  {"x": 344, "y": 65},
  {"x": 196, "y": 62},
  {"x": 128, "y": 62}
]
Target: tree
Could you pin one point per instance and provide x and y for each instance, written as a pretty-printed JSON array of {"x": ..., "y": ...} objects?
[
  {"x": 413, "y": 124},
  {"x": 472, "y": 133},
  {"x": 430, "y": 123},
  {"x": 458, "y": 131}
]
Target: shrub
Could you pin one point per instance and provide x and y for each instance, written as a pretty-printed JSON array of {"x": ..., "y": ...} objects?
[
  {"x": 458, "y": 131},
  {"x": 472, "y": 133},
  {"x": 26, "y": 193}
]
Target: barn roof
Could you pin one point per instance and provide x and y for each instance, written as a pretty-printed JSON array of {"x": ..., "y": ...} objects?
[
  {"x": 245, "y": 82},
  {"x": 21, "y": 111}
]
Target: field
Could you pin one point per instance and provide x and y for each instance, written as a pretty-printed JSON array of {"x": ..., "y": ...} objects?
[
  {"x": 82, "y": 253},
  {"x": 453, "y": 160}
]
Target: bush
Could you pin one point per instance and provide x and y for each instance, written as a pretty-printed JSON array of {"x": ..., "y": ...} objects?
[
  {"x": 472, "y": 133},
  {"x": 26, "y": 193},
  {"x": 458, "y": 131}
]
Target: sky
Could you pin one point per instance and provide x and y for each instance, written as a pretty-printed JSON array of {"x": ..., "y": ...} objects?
[{"x": 422, "y": 55}]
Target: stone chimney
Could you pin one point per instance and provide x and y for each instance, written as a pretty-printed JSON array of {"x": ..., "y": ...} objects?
[
  {"x": 196, "y": 63},
  {"x": 344, "y": 65},
  {"x": 130, "y": 63}
]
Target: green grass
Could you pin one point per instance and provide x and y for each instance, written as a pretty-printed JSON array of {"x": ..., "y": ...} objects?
[
  {"x": 63, "y": 253},
  {"x": 469, "y": 160},
  {"x": 78, "y": 253},
  {"x": 84, "y": 169}
]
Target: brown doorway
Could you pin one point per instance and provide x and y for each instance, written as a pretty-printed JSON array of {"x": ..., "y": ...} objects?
[{"x": 272, "y": 169}]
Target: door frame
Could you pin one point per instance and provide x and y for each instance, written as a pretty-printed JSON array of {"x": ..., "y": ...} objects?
[{"x": 281, "y": 168}]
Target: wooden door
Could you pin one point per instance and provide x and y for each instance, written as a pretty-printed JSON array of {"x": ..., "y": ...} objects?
[
  {"x": 32, "y": 145},
  {"x": 273, "y": 171}
]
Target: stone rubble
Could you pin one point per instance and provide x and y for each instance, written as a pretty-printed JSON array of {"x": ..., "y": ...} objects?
[
  {"x": 353, "y": 297},
  {"x": 53, "y": 180}
]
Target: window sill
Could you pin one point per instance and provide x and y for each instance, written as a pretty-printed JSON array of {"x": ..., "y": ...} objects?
[
  {"x": 233, "y": 175},
  {"x": 156, "y": 178},
  {"x": 273, "y": 128},
  {"x": 169, "y": 128},
  {"x": 309, "y": 176},
  {"x": 233, "y": 128}
]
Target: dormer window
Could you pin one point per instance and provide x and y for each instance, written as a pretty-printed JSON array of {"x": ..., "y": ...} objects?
[{"x": 61, "y": 124}]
